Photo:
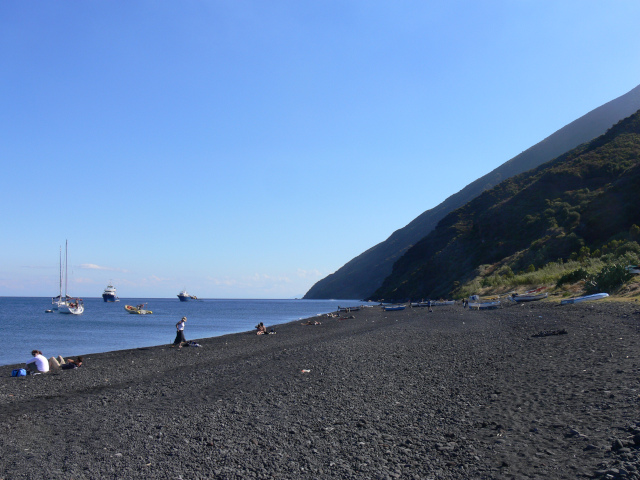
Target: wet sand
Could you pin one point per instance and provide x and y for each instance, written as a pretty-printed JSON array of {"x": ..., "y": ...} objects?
[{"x": 451, "y": 394}]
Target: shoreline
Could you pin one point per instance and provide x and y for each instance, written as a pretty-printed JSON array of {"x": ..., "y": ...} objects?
[
  {"x": 409, "y": 394},
  {"x": 107, "y": 327}
]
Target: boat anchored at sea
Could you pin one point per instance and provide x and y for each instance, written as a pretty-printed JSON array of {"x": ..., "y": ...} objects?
[
  {"x": 109, "y": 294},
  {"x": 66, "y": 304},
  {"x": 138, "y": 309},
  {"x": 185, "y": 297}
]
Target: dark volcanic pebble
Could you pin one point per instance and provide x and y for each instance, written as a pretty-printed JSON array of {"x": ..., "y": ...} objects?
[{"x": 452, "y": 394}]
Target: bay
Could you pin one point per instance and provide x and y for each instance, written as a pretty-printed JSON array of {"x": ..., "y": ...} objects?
[{"x": 105, "y": 327}]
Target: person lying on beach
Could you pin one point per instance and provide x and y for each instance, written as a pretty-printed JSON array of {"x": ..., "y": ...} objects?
[
  {"x": 309, "y": 322},
  {"x": 38, "y": 364},
  {"x": 70, "y": 364},
  {"x": 261, "y": 329}
]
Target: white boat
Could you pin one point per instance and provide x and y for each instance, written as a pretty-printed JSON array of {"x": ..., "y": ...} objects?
[
  {"x": 56, "y": 301},
  {"x": 634, "y": 269},
  {"x": 528, "y": 298},
  {"x": 440, "y": 303},
  {"x": 484, "y": 305},
  {"x": 586, "y": 298},
  {"x": 70, "y": 305},
  {"x": 109, "y": 294},
  {"x": 476, "y": 303},
  {"x": 394, "y": 308},
  {"x": 433, "y": 303},
  {"x": 74, "y": 306},
  {"x": 185, "y": 297}
]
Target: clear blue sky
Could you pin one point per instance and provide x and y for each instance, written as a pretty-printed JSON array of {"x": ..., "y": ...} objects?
[{"x": 247, "y": 149}]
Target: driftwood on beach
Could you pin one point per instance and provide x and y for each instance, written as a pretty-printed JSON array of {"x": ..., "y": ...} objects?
[{"x": 452, "y": 394}]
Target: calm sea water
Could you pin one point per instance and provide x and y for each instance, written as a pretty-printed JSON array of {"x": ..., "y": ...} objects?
[{"x": 105, "y": 327}]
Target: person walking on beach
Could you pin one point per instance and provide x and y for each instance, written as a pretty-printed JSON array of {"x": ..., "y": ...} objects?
[{"x": 180, "y": 333}]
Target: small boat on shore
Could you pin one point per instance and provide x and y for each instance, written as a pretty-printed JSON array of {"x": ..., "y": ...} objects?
[
  {"x": 528, "y": 298},
  {"x": 348, "y": 309},
  {"x": 434, "y": 303},
  {"x": 586, "y": 298},
  {"x": 478, "y": 304},
  {"x": 109, "y": 294},
  {"x": 484, "y": 305},
  {"x": 394, "y": 308},
  {"x": 137, "y": 310}
]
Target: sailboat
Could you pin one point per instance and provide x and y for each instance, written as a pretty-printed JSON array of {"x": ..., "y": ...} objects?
[
  {"x": 71, "y": 305},
  {"x": 59, "y": 300}
]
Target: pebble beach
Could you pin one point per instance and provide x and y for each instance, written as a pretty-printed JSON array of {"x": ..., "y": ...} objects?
[{"x": 448, "y": 394}]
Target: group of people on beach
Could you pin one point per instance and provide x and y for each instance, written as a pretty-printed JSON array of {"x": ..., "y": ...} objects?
[
  {"x": 40, "y": 364},
  {"x": 262, "y": 330}
]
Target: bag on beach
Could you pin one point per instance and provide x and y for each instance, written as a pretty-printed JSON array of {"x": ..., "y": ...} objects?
[{"x": 19, "y": 372}]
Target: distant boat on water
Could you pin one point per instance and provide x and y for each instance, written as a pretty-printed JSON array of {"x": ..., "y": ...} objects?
[
  {"x": 70, "y": 305},
  {"x": 138, "y": 309},
  {"x": 109, "y": 294},
  {"x": 185, "y": 297}
]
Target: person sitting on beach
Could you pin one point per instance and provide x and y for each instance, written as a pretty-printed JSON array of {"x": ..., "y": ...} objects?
[
  {"x": 261, "y": 329},
  {"x": 38, "y": 364},
  {"x": 70, "y": 364},
  {"x": 311, "y": 322}
]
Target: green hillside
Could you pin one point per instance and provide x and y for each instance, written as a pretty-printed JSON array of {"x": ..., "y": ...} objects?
[
  {"x": 581, "y": 204},
  {"x": 365, "y": 273}
]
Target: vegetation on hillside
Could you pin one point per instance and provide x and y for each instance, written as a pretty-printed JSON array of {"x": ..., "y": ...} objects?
[
  {"x": 365, "y": 273},
  {"x": 579, "y": 211}
]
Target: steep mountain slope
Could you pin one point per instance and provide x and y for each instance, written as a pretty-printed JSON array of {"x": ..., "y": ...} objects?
[
  {"x": 364, "y": 274},
  {"x": 584, "y": 198}
]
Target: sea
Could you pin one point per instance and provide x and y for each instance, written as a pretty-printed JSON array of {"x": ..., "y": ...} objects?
[{"x": 106, "y": 326}]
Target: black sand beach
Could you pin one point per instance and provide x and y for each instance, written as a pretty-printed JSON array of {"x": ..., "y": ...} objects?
[{"x": 452, "y": 394}]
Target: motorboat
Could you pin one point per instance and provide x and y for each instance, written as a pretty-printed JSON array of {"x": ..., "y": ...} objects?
[
  {"x": 185, "y": 297},
  {"x": 109, "y": 294},
  {"x": 138, "y": 309}
]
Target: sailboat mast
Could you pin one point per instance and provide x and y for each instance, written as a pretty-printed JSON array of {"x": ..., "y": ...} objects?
[
  {"x": 66, "y": 265},
  {"x": 60, "y": 298}
]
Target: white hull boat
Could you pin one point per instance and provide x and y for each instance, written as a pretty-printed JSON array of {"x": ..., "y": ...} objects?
[
  {"x": 529, "y": 298},
  {"x": 72, "y": 306},
  {"x": 484, "y": 305},
  {"x": 586, "y": 298}
]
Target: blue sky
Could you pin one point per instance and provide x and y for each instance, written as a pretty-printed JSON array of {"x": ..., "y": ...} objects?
[{"x": 247, "y": 149}]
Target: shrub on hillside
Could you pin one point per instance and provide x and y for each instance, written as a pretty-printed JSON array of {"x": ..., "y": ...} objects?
[
  {"x": 573, "y": 277},
  {"x": 632, "y": 247},
  {"x": 608, "y": 279}
]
